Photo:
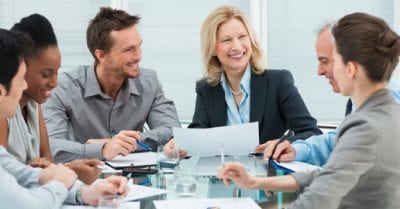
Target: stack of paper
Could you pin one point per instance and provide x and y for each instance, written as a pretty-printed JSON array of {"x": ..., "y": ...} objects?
[
  {"x": 138, "y": 192},
  {"x": 294, "y": 166},
  {"x": 128, "y": 205},
  {"x": 220, "y": 203},
  {"x": 134, "y": 159}
]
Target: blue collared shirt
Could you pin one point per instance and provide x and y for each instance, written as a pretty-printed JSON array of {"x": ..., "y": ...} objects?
[
  {"x": 241, "y": 114},
  {"x": 316, "y": 149}
]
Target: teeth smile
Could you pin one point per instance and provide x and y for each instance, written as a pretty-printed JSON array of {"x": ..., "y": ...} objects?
[
  {"x": 236, "y": 55},
  {"x": 132, "y": 65}
]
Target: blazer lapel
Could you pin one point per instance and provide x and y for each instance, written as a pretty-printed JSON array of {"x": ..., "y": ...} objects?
[
  {"x": 218, "y": 106},
  {"x": 258, "y": 97}
]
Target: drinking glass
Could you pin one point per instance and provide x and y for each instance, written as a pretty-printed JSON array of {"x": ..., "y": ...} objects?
[
  {"x": 111, "y": 202},
  {"x": 249, "y": 163},
  {"x": 167, "y": 159},
  {"x": 185, "y": 183}
]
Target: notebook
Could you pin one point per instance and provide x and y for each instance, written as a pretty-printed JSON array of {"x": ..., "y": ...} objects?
[
  {"x": 137, "y": 159},
  {"x": 293, "y": 166},
  {"x": 208, "y": 166}
]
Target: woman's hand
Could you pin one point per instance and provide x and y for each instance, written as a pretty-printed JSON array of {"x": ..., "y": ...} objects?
[
  {"x": 237, "y": 173},
  {"x": 40, "y": 162}
]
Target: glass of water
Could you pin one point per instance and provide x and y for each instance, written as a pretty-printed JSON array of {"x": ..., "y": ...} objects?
[
  {"x": 111, "y": 202},
  {"x": 167, "y": 159},
  {"x": 249, "y": 162},
  {"x": 185, "y": 183}
]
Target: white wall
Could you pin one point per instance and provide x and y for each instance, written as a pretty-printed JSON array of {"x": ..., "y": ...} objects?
[
  {"x": 170, "y": 30},
  {"x": 291, "y": 45}
]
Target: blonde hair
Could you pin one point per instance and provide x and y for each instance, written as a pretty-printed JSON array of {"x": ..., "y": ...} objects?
[{"x": 208, "y": 40}]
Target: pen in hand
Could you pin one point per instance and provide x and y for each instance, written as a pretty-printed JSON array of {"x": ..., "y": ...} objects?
[
  {"x": 137, "y": 139},
  {"x": 282, "y": 139},
  {"x": 143, "y": 145},
  {"x": 222, "y": 154}
]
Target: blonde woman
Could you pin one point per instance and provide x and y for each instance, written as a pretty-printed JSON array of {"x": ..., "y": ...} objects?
[{"x": 238, "y": 89}]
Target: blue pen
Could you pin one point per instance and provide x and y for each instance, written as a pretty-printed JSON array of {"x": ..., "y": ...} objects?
[{"x": 143, "y": 145}]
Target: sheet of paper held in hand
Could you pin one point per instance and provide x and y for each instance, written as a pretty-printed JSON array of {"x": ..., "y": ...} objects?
[
  {"x": 220, "y": 203},
  {"x": 237, "y": 139},
  {"x": 135, "y": 159}
]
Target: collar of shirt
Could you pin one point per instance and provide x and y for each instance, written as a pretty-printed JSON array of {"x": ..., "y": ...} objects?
[
  {"x": 238, "y": 115},
  {"x": 92, "y": 87},
  {"x": 394, "y": 87}
]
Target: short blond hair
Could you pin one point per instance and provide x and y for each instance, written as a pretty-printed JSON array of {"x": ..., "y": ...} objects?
[{"x": 208, "y": 40}]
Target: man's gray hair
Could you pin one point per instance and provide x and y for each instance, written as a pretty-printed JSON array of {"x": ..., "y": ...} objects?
[{"x": 326, "y": 24}]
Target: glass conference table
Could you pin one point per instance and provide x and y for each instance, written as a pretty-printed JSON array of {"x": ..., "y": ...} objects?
[{"x": 207, "y": 187}]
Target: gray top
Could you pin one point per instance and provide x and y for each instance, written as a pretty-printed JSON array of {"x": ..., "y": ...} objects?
[
  {"x": 363, "y": 170},
  {"x": 20, "y": 187},
  {"x": 78, "y": 111},
  {"x": 23, "y": 137}
]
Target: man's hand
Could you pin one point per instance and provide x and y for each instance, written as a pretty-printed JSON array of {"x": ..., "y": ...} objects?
[
  {"x": 97, "y": 141},
  {"x": 58, "y": 172},
  {"x": 237, "y": 173},
  {"x": 283, "y": 152},
  {"x": 122, "y": 143},
  {"x": 86, "y": 169},
  {"x": 113, "y": 185},
  {"x": 169, "y": 149},
  {"x": 40, "y": 162}
]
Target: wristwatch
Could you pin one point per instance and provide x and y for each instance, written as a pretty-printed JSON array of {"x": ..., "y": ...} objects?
[{"x": 78, "y": 196}]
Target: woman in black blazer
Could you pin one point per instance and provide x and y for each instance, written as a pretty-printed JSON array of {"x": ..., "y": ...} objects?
[{"x": 236, "y": 88}]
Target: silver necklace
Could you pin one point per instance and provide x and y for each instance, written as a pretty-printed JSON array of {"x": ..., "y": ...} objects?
[{"x": 236, "y": 93}]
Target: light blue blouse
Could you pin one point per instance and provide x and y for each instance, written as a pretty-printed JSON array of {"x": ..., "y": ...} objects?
[{"x": 241, "y": 114}]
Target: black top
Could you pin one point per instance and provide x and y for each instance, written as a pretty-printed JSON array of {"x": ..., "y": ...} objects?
[{"x": 274, "y": 102}]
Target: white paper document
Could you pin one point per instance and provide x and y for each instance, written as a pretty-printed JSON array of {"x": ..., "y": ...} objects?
[
  {"x": 237, "y": 139},
  {"x": 128, "y": 205},
  {"x": 106, "y": 169},
  {"x": 134, "y": 159},
  {"x": 296, "y": 166},
  {"x": 137, "y": 192},
  {"x": 220, "y": 203}
]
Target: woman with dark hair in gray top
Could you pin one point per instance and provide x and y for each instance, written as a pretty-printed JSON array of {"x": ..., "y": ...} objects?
[{"x": 362, "y": 171}]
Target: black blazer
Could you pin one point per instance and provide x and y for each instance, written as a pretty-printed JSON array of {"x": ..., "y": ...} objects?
[{"x": 274, "y": 102}]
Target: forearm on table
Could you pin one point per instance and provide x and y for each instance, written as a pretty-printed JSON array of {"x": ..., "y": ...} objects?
[{"x": 277, "y": 183}]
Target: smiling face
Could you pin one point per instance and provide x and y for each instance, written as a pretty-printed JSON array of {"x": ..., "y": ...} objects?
[
  {"x": 125, "y": 54},
  {"x": 233, "y": 46},
  {"x": 10, "y": 100},
  {"x": 41, "y": 74},
  {"x": 324, "y": 48},
  {"x": 341, "y": 74}
]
